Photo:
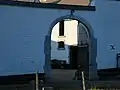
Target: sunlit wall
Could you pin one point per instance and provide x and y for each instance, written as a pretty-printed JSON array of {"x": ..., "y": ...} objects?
[{"x": 69, "y": 38}]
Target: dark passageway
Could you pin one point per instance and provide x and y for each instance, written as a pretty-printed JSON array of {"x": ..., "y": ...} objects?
[
  {"x": 73, "y": 56},
  {"x": 64, "y": 70}
]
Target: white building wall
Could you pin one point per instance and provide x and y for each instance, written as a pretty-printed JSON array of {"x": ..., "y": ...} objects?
[{"x": 69, "y": 38}]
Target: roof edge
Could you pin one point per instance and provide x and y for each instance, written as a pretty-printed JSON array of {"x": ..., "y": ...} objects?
[{"x": 48, "y": 5}]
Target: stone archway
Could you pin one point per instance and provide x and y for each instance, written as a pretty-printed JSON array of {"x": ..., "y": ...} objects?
[{"x": 92, "y": 55}]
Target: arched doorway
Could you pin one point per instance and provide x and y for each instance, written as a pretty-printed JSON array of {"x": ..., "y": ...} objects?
[{"x": 83, "y": 46}]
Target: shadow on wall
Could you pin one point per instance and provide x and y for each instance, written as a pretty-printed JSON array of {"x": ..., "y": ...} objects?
[
  {"x": 59, "y": 51},
  {"x": 68, "y": 54}
]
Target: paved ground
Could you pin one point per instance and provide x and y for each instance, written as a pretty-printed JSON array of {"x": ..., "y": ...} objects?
[
  {"x": 110, "y": 84},
  {"x": 63, "y": 78},
  {"x": 16, "y": 87}
]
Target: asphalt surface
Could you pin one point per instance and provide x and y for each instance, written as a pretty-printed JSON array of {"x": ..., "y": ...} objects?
[{"x": 64, "y": 79}]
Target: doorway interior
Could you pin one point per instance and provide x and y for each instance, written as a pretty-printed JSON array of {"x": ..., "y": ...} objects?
[{"x": 78, "y": 53}]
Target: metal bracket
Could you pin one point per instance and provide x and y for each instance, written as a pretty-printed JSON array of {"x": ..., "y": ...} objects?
[
  {"x": 112, "y": 47},
  {"x": 72, "y": 12}
]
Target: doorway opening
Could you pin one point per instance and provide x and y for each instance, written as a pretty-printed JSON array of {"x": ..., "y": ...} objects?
[{"x": 70, "y": 47}]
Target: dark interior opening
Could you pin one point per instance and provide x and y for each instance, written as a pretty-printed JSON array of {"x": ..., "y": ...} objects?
[
  {"x": 83, "y": 60},
  {"x": 61, "y": 45},
  {"x": 61, "y": 28},
  {"x": 73, "y": 56},
  {"x": 77, "y": 56}
]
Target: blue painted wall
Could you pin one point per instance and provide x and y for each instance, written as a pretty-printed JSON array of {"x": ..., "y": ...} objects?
[
  {"x": 22, "y": 35},
  {"x": 108, "y": 23}
]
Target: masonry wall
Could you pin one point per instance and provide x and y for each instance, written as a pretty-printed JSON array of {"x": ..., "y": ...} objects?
[
  {"x": 108, "y": 23},
  {"x": 22, "y": 36}
]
